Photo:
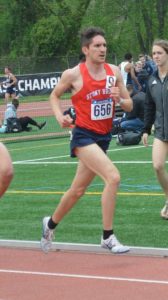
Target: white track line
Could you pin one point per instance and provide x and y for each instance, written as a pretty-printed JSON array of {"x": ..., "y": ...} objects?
[
  {"x": 91, "y": 277},
  {"x": 65, "y": 156},
  {"x": 75, "y": 162},
  {"x": 34, "y": 162},
  {"x": 39, "y": 159}
]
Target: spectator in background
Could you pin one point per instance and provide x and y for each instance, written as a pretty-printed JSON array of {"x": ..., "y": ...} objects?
[
  {"x": 151, "y": 64},
  {"x": 156, "y": 112},
  {"x": 11, "y": 112},
  {"x": 10, "y": 84},
  {"x": 148, "y": 68},
  {"x": 142, "y": 76},
  {"x": 6, "y": 169},
  {"x": 147, "y": 63},
  {"x": 128, "y": 72},
  {"x": 134, "y": 120}
]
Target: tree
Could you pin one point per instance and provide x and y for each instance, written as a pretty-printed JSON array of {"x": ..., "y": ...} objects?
[{"x": 49, "y": 28}]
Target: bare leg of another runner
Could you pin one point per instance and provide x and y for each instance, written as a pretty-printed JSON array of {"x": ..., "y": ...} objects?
[
  {"x": 159, "y": 155},
  {"x": 6, "y": 169}
]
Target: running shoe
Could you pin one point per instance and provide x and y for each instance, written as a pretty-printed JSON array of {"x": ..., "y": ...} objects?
[
  {"x": 48, "y": 234},
  {"x": 114, "y": 245},
  {"x": 164, "y": 211}
]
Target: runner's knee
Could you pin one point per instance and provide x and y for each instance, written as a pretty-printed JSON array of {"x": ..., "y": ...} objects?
[
  {"x": 7, "y": 174},
  {"x": 158, "y": 166},
  {"x": 113, "y": 178},
  {"x": 78, "y": 192},
  {"x": 5, "y": 179}
]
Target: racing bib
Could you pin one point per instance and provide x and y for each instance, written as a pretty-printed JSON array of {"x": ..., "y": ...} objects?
[
  {"x": 110, "y": 81},
  {"x": 101, "y": 109}
]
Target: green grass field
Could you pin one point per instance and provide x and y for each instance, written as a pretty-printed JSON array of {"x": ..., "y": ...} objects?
[
  {"x": 51, "y": 127},
  {"x": 38, "y": 185}
]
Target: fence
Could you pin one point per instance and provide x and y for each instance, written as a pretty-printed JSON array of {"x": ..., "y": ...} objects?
[
  {"x": 31, "y": 65},
  {"x": 39, "y": 86}
]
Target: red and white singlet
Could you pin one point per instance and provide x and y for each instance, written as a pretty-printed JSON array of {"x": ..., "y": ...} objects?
[{"x": 93, "y": 104}]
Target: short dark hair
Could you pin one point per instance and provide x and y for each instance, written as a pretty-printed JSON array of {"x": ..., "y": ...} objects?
[
  {"x": 15, "y": 102},
  {"x": 128, "y": 56},
  {"x": 88, "y": 34}
]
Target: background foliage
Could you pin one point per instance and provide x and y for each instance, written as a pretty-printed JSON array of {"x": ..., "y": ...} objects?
[{"x": 39, "y": 28}]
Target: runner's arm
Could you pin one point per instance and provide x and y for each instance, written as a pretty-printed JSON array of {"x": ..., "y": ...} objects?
[
  {"x": 120, "y": 92},
  {"x": 55, "y": 99}
]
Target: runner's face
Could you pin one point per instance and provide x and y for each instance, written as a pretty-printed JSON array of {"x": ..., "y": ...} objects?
[
  {"x": 96, "y": 51},
  {"x": 160, "y": 56}
]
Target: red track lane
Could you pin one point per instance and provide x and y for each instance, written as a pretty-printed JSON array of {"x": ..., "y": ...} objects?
[
  {"x": 35, "y": 109},
  {"x": 33, "y": 275}
]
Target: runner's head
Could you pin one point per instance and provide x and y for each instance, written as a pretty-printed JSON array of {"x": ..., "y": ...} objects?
[
  {"x": 93, "y": 44},
  {"x": 88, "y": 34}
]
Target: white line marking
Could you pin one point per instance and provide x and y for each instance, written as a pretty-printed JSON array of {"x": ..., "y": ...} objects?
[
  {"x": 39, "y": 159},
  {"x": 45, "y": 162},
  {"x": 91, "y": 277},
  {"x": 127, "y": 148},
  {"x": 64, "y": 156},
  {"x": 75, "y": 162}
]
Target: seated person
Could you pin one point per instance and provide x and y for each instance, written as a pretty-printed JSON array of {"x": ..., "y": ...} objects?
[
  {"x": 11, "y": 112},
  {"x": 134, "y": 120}
]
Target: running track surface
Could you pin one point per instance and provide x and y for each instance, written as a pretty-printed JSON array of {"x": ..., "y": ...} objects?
[{"x": 27, "y": 274}]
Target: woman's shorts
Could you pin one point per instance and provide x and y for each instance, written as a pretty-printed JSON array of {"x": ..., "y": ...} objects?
[
  {"x": 11, "y": 90},
  {"x": 82, "y": 137}
]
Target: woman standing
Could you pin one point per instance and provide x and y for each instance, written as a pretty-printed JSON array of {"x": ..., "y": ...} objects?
[
  {"x": 156, "y": 112},
  {"x": 10, "y": 84}
]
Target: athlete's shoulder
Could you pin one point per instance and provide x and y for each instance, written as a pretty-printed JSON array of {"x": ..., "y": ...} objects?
[
  {"x": 114, "y": 68},
  {"x": 70, "y": 77},
  {"x": 72, "y": 72}
]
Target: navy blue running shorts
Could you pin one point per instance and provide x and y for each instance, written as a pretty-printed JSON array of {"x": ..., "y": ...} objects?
[
  {"x": 82, "y": 137},
  {"x": 11, "y": 90}
]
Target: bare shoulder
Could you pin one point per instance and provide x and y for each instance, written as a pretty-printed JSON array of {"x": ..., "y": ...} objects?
[
  {"x": 71, "y": 74},
  {"x": 11, "y": 75},
  {"x": 115, "y": 69},
  {"x": 69, "y": 80},
  {"x": 72, "y": 78}
]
